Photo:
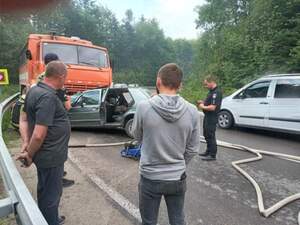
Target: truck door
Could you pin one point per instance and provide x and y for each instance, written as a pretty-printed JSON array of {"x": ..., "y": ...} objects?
[{"x": 85, "y": 112}]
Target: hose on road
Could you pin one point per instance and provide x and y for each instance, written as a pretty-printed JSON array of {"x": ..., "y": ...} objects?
[
  {"x": 266, "y": 212},
  {"x": 263, "y": 211},
  {"x": 96, "y": 145}
]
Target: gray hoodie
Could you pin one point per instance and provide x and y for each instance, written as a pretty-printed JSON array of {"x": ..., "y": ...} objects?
[{"x": 169, "y": 129}]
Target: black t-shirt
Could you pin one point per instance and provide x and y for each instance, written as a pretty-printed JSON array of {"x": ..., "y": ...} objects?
[
  {"x": 61, "y": 94},
  {"x": 43, "y": 107},
  {"x": 214, "y": 97}
]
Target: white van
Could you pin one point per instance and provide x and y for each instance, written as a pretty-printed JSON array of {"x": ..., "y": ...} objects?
[{"x": 271, "y": 102}]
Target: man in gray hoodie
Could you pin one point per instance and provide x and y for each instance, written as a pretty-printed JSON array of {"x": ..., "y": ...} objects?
[{"x": 169, "y": 129}]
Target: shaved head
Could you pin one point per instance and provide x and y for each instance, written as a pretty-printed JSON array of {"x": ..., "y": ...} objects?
[{"x": 55, "y": 69}]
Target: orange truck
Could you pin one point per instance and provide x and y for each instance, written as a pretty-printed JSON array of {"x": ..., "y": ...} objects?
[{"x": 88, "y": 65}]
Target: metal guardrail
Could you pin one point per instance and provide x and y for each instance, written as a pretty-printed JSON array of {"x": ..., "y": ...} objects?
[{"x": 19, "y": 200}]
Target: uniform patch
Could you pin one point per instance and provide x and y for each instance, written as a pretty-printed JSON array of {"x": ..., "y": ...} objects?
[{"x": 214, "y": 95}]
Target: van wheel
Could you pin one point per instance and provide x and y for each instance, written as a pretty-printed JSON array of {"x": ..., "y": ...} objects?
[
  {"x": 128, "y": 128},
  {"x": 225, "y": 120}
]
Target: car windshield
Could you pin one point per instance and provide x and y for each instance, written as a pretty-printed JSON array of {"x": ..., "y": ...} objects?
[
  {"x": 139, "y": 94},
  {"x": 74, "y": 54},
  {"x": 148, "y": 91},
  {"x": 75, "y": 96}
]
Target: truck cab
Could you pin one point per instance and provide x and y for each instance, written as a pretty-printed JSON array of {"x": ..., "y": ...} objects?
[{"x": 88, "y": 65}]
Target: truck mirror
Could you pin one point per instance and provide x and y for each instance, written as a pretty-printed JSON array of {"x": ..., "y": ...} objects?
[
  {"x": 28, "y": 54},
  {"x": 112, "y": 63}
]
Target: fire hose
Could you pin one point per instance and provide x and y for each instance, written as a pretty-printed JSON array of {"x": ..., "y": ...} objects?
[
  {"x": 262, "y": 210},
  {"x": 96, "y": 145},
  {"x": 266, "y": 212}
]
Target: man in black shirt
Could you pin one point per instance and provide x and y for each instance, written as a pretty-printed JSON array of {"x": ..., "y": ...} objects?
[
  {"x": 61, "y": 93},
  {"x": 210, "y": 106},
  {"x": 47, "y": 133}
]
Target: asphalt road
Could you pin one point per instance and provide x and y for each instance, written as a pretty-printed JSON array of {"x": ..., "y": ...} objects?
[{"x": 217, "y": 194}]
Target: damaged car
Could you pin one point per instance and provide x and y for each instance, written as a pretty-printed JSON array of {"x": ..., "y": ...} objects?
[{"x": 112, "y": 107}]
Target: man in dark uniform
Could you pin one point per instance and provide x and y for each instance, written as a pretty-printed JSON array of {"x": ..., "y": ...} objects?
[{"x": 211, "y": 106}]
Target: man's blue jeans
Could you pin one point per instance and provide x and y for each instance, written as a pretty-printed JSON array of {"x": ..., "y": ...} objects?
[
  {"x": 49, "y": 191},
  {"x": 150, "y": 193}
]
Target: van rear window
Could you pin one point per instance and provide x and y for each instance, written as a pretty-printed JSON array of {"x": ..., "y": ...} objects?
[
  {"x": 287, "y": 88},
  {"x": 79, "y": 55}
]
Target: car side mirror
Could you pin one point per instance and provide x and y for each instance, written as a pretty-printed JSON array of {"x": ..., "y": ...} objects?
[
  {"x": 131, "y": 103},
  {"x": 28, "y": 54},
  {"x": 243, "y": 95}
]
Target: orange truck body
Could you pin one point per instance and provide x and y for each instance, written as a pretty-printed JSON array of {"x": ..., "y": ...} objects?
[{"x": 88, "y": 65}]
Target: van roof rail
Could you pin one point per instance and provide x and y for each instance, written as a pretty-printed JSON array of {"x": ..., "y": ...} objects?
[{"x": 282, "y": 75}]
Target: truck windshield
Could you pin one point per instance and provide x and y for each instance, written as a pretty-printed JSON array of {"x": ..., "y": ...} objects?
[{"x": 75, "y": 54}]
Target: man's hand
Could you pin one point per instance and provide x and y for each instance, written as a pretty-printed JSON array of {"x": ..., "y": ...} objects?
[
  {"x": 24, "y": 147},
  {"x": 201, "y": 106},
  {"x": 25, "y": 159},
  {"x": 199, "y": 102},
  {"x": 67, "y": 102},
  {"x": 208, "y": 108}
]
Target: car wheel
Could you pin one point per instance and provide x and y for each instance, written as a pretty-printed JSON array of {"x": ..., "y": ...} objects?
[
  {"x": 128, "y": 128},
  {"x": 225, "y": 119}
]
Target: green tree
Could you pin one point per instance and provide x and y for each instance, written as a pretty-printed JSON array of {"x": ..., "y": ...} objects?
[
  {"x": 152, "y": 49},
  {"x": 137, "y": 48},
  {"x": 14, "y": 32},
  {"x": 244, "y": 39},
  {"x": 184, "y": 54}
]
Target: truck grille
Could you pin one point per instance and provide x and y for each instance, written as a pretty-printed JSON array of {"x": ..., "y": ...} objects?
[{"x": 74, "y": 88}]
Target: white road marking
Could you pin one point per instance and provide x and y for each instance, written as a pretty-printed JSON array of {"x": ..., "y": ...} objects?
[{"x": 112, "y": 193}]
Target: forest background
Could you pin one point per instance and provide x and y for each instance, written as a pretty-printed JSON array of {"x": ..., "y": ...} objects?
[{"x": 239, "y": 41}]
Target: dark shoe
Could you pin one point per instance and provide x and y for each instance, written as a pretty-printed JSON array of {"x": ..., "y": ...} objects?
[
  {"x": 65, "y": 173},
  {"x": 209, "y": 158},
  {"x": 61, "y": 220},
  {"x": 67, "y": 183},
  {"x": 204, "y": 154}
]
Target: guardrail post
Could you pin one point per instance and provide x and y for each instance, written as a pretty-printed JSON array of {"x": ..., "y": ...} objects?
[{"x": 6, "y": 207}]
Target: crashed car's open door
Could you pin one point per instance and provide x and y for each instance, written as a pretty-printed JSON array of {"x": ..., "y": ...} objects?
[{"x": 109, "y": 101}]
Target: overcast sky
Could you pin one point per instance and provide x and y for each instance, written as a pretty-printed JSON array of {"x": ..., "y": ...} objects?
[{"x": 175, "y": 17}]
